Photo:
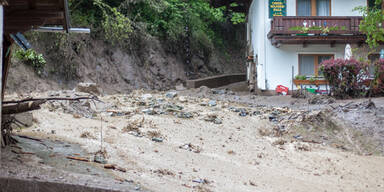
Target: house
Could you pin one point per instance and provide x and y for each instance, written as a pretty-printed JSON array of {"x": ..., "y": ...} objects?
[{"x": 287, "y": 38}]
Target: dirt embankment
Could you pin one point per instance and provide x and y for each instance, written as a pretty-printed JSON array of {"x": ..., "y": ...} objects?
[{"x": 146, "y": 63}]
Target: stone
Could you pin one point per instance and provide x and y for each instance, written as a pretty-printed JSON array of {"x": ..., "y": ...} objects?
[
  {"x": 243, "y": 113},
  {"x": 25, "y": 118},
  {"x": 183, "y": 99},
  {"x": 157, "y": 139},
  {"x": 180, "y": 87},
  {"x": 184, "y": 115},
  {"x": 219, "y": 91},
  {"x": 149, "y": 111},
  {"x": 146, "y": 97},
  {"x": 91, "y": 88},
  {"x": 171, "y": 94},
  {"x": 212, "y": 103},
  {"x": 217, "y": 121},
  {"x": 99, "y": 159}
]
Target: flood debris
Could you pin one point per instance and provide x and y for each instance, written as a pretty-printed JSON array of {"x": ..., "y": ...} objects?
[
  {"x": 191, "y": 147},
  {"x": 91, "y": 88},
  {"x": 157, "y": 139},
  {"x": 85, "y": 159},
  {"x": 115, "y": 167}
]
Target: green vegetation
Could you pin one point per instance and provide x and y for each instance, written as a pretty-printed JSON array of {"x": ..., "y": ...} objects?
[
  {"x": 318, "y": 28},
  {"x": 33, "y": 59},
  {"x": 170, "y": 20},
  {"x": 300, "y": 77},
  {"x": 372, "y": 23}
]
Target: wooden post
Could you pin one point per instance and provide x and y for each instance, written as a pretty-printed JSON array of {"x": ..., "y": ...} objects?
[{"x": 1, "y": 74}]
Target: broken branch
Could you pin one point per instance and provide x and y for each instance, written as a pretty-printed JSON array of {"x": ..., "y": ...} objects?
[
  {"x": 51, "y": 99},
  {"x": 78, "y": 158}
]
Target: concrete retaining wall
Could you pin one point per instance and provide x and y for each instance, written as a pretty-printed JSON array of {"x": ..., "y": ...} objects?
[{"x": 217, "y": 81}]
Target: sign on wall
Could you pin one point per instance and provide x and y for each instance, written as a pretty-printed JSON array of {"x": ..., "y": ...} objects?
[{"x": 277, "y": 8}]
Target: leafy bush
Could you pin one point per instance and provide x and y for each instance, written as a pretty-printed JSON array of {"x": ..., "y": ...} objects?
[
  {"x": 117, "y": 26},
  {"x": 33, "y": 59},
  {"x": 371, "y": 23},
  {"x": 346, "y": 77},
  {"x": 377, "y": 85}
]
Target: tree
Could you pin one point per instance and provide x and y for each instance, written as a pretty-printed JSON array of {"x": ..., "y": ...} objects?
[{"x": 372, "y": 24}]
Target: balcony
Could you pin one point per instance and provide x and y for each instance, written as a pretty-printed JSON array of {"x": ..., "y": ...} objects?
[{"x": 315, "y": 30}]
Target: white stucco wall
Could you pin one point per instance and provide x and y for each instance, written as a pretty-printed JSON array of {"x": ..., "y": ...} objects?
[
  {"x": 275, "y": 64},
  {"x": 345, "y": 7},
  {"x": 281, "y": 60}
]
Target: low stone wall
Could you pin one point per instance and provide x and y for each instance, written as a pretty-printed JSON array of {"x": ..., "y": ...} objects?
[{"x": 217, "y": 81}]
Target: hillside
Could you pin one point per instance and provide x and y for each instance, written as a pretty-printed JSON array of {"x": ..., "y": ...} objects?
[{"x": 134, "y": 58}]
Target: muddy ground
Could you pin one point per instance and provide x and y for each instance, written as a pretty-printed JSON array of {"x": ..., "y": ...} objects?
[{"x": 209, "y": 140}]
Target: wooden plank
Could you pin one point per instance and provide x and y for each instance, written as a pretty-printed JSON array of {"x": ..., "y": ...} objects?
[
  {"x": 1, "y": 69},
  {"x": 67, "y": 24}
]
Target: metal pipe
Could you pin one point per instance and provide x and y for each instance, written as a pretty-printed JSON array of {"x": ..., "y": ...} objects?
[{"x": 61, "y": 30}]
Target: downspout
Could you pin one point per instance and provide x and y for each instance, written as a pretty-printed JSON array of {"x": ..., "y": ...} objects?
[{"x": 265, "y": 52}]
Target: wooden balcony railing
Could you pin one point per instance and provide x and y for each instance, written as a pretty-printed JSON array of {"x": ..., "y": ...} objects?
[
  {"x": 316, "y": 30},
  {"x": 315, "y": 25}
]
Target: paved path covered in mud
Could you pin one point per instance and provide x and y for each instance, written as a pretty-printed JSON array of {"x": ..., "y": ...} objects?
[{"x": 168, "y": 142}]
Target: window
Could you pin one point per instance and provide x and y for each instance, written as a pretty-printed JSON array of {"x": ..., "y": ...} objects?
[
  {"x": 313, "y": 7},
  {"x": 372, "y": 58},
  {"x": 309, "y": 64}
]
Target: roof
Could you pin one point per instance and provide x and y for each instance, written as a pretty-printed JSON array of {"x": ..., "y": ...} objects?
[{"x": 23, "y": 15}]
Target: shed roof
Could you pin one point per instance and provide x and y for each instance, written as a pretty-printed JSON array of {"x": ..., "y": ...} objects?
[{"x": 23, "y": 15}]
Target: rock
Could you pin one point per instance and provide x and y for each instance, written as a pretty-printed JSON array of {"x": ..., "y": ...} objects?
[
  {"x": 180, "y": 87},
  {"x": 212, "y": 103},
  {"x": 320, "y": 99},
  {"x": 219, "y": 91},
  {"x": 146, "y": 97},
  {"x": 217, "y": 121},
  {"x": 190, "y": 147},
  {"x": 204, "y": 91},
  {"x": 243, "y": 113},
  {"x": 184, "y": 115},
  {"x": 171, "y": 94},
  {"x": 99, "y": 159},
  {"x": 183, "y": 99},
  {"x": 157, "y": 139},
  {"x": 149, "y": 111},
  {"x": 91, "y": 88},
  {"x": 25, "y": 118},
  {"x": 213, "y": 118}
]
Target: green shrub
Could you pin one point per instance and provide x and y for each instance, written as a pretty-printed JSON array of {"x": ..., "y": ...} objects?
[
  {"x": 347, "y": 78},
  {"x": 33, "y": 59},
  {"x": 377, "y": 85}
]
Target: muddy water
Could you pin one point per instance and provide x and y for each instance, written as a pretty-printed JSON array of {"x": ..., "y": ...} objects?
[{"x": 54, "y": 153}]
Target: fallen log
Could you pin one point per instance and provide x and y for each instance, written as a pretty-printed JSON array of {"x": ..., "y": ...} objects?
[
  {"x": 78, "y": 158},
  {"x": 22, "y": 107},
  {"x": 30, "y": 104}
]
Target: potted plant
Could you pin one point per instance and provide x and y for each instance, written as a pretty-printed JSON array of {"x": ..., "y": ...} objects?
[{"x": 325, "y": 31}]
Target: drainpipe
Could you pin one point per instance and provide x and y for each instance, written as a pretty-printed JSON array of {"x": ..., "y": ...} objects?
[{"x": 265, "y": 50}]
